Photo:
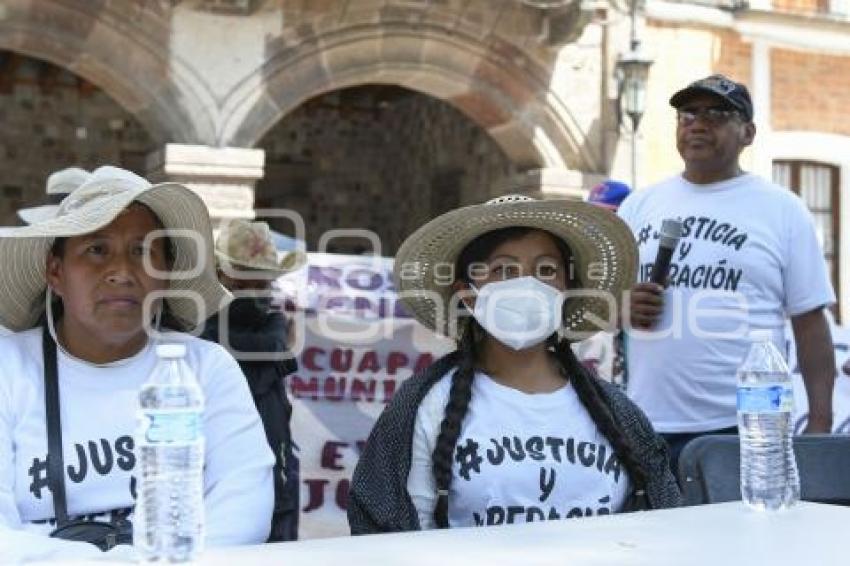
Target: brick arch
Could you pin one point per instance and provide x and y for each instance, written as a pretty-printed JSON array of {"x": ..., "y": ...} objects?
[
  {"x": 494, "y": 83},
  {"x": 129, "y": 62}
]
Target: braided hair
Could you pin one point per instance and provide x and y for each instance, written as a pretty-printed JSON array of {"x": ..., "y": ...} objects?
[
  {"x": 459, "y": 396},
  {"x": 590, "y": 394},
  {"x": 460, "y": 393}
]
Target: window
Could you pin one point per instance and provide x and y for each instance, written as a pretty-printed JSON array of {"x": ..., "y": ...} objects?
[
  {"x": 817, "y": 185},
  {"x": 840, "y": 8}
]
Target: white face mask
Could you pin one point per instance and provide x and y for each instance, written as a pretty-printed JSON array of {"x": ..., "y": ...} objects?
[{"x": 520, "y": 312}]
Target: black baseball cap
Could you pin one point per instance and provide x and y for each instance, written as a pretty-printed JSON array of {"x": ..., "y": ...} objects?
[{"x": 735, "y": 94}]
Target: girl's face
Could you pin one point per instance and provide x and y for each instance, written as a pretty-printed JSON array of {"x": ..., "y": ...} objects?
[{"x": 534, "y": 254}]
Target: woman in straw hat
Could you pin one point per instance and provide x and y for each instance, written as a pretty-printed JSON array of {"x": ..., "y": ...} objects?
[
  {"x": 88, "y": 285},
  {"x": 510, "y": 427}
]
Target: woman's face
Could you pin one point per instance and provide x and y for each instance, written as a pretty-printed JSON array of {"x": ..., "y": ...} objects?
[
  {"x": 535, "y": 254},
  {"x": 102, "y": 279}
]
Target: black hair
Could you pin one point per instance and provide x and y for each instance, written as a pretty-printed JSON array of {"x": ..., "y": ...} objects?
[
  {"x": 586, "y": 386},
  {"x": 57, "y": 249},
  {"x": 481, "y": 247}
]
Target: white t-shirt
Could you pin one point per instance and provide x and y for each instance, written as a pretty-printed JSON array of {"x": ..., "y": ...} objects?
[
  {"x": 526, "y": 457},
  {"x": 98, "y": 413},
  {"x": 748, "y": 257}
]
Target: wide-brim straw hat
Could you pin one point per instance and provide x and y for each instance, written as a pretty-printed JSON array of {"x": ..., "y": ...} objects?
[
  {"x": 603, "y": 248},
  {"x": 59, "y": 184},
  {"x": 94, "y": 205},
  {"x": 247, "y": 246},
  {"x": 289, "y": 262},
  {"x": 36, "y": 214}
]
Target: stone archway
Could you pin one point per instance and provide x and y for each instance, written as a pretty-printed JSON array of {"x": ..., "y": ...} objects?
[
  {"x": 123, "y": 48},
  {"x": 379, "y": 158},
  {"x": 492, "y": 81},
  {"x": 53, "y": 119}
]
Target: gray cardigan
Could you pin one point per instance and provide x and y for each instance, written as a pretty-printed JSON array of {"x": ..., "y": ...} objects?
[{"x": 379, "y": 502}]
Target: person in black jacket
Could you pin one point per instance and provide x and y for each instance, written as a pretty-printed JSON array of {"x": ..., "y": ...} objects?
[
  {"x": 510, "y": 427},
  {"x": 257, "y": 335}
]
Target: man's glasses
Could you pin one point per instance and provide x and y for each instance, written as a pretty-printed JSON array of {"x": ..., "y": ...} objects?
[{"x": 713, "y": 116}]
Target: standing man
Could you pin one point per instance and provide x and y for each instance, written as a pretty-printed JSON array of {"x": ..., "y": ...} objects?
[
  {"x": 257, "y": 335},
  {"x": 748, "y": 258}
]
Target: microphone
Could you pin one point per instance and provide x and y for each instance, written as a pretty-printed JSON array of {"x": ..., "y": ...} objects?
[{"x": 671, "y": 231}]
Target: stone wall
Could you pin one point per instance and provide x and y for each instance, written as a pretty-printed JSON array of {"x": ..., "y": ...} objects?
[
  {"x": 384, "y": 159},
  {"x": 52, "y": 119}
]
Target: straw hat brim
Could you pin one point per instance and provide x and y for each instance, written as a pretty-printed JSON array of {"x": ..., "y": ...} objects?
[
  {"x": 23, "y": 250},
  {"x": 36, "y": 214},
  {"x": 603, "y": 247},
  {"x": 291, "y": 261}
]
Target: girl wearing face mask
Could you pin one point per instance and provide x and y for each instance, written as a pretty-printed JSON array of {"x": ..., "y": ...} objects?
[{"x": 510, "y": 427}]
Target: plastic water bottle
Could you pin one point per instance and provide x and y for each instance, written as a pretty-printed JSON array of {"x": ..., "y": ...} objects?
[
  {"x": 769, "y": 478},
  {"x": 169, "y": 515}
]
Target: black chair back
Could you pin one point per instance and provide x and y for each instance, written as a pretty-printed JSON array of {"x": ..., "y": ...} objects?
[{"x": 710, "y": 468}]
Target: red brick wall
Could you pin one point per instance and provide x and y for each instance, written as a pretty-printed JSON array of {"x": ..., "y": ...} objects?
[
  {"x": 800, "y": 6},
  {"x": 735, "y": 58},
  {"x": 809, "y": 92}
]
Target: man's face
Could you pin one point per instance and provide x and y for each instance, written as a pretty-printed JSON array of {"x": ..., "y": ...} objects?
[
  {"x": 102, "y": 280},
  {"x": 709, "y": 134}
]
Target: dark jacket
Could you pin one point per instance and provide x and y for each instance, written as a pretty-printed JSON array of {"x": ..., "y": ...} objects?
[
  {"x": 268, "y": 388},
  {"x": 378, "y": 500}
]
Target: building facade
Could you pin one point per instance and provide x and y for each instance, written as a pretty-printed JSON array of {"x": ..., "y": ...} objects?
[
  {"x": 795, "y": 57},
  {"x": 380, "y": 114}
]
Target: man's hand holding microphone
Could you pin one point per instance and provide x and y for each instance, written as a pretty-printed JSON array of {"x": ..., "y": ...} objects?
[{"x": 646, "y": 301}]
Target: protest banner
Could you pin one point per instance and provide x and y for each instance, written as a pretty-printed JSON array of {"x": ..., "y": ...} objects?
[{"x": 354, "y": 347}]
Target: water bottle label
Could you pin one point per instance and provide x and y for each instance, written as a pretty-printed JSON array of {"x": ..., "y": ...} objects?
[
  {"x": 172, "y": 426},
  {"x": 765, "y": 399}
]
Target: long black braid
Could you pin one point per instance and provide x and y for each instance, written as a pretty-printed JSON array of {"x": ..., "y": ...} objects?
[
  {"x": 459, "y": 397},
  {"x": 590, "y": 395}
]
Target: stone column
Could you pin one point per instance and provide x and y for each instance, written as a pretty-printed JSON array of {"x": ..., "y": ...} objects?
[
  {"x": 224, "y": 177},
  {"x": 549, "y": 183}
]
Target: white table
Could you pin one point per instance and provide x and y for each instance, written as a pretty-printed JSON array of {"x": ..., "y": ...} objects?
[{"x": 726, "y": 534}]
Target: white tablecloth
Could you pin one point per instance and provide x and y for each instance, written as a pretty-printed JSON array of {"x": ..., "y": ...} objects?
[{"x": 726, "y": 534}]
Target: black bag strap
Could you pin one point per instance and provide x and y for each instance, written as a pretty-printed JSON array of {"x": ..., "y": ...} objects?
[{"x": 55, "y": 460}]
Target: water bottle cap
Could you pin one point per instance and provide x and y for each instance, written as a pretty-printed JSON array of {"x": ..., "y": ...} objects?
[
  {"x": 171, "y": 350},
  {"x": 761, "y": 335}
]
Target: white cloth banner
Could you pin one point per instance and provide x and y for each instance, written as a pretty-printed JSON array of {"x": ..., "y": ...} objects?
[{"x": 355, "y": 346}]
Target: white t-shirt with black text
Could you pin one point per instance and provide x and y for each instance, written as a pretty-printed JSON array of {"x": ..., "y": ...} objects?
[
  {"x": 748, "y": 258},
  {"x": 98, "y": 414},
  {"x": 519, "y": 458}
]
